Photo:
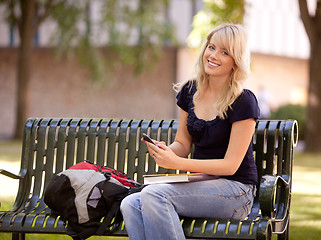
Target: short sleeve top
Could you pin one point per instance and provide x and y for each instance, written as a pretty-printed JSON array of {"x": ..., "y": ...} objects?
[{"x": 211, "y": 138}]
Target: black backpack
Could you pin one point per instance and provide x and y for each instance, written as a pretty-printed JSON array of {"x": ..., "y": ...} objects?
[{"x": 85, "y": 193}]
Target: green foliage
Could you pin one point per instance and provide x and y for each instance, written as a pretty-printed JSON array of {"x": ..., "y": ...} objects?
[
  {"x": 66, "y": 15},
  {"x": 214, "y": 13},
  {"x": 135, "y": 30},
  {"x": 292, "y": 111}
]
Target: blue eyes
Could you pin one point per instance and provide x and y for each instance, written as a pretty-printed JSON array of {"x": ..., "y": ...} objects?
[{"x": 211, "y": 47}]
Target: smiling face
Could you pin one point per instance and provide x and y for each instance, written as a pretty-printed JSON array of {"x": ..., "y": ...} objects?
[
  {"x": 217, "y": 61},
  {"x": 223, "y": 65}
]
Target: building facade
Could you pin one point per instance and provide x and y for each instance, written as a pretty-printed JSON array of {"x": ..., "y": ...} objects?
[{"x": 280, "y": 52}]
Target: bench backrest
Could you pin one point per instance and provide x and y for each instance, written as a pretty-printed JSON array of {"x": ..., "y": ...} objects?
[{"x": 53, "y": 145}]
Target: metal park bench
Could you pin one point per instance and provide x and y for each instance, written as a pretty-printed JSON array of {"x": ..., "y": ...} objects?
[{"x": 53, "y": 145}]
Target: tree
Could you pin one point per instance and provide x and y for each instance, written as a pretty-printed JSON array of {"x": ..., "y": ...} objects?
[
  {"x": 214, "y": 13},
  {"x": 25, "y": 19},
  {"x": 312, "y": 24},
  {"x": 74, "y": 34}
]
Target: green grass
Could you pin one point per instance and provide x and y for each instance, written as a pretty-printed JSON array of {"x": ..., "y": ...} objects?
[
  {"x": 10, "y": 151},
  {"x": 305, "y": 220}
]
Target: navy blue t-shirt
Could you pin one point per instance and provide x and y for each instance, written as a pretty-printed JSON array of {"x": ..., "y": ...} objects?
[{"x": 211, "y": 138}]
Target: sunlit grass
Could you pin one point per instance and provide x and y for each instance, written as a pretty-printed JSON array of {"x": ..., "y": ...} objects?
[
  {"x": 305, "y": 220},
  {"x": 305, "y": 215},
  {"x": 10, "y": 155}
]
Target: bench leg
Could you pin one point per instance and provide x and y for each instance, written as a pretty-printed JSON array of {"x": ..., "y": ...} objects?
[{"x": 18, "y": 236}]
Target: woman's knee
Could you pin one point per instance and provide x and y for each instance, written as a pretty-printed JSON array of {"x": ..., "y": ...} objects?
[
  {"x": 148, "y": 195},
  {"x": 130, "y": 202},
  {"x": 154, "y": 196},
  {"x": 152, "y": 192}
]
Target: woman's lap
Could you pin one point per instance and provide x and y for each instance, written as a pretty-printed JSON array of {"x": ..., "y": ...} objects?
[{"x": 219, "y": 198}]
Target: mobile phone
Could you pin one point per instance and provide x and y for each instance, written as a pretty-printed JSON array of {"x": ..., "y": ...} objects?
[{"x": 148, "y": 139}]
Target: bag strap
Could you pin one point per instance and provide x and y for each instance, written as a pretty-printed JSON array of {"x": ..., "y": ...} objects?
[{"x": 109, "y": 217}]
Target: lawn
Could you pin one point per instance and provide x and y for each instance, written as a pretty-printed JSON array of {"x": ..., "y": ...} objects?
[{"x": 305, "y": 208}]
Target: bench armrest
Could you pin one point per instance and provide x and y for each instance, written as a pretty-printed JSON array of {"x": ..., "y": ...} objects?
[
  {"x": 12, "y": 175},
  {"x": 274, "y": 196}
]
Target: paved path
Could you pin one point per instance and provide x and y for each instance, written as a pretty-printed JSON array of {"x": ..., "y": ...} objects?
[{"x": 8, "y": 186}]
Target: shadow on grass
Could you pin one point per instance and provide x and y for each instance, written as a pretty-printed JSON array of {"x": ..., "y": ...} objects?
[
  {"x": 307, "y": 160},
  {"x": 10, "y": 150}
]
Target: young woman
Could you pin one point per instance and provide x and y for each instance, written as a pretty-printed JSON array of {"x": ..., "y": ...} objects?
[{"x": 218, "y": 117}]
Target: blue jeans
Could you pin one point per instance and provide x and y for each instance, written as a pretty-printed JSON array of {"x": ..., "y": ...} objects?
[{"x": 153, "y": 213}]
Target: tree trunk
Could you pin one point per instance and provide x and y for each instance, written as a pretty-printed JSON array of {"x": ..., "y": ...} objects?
[
  {"x": 24, "y": 64},
  {"x": 313, "y": 134}
]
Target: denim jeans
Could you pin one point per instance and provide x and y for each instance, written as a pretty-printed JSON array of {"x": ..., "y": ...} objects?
[{"x": 153, "y": 213}]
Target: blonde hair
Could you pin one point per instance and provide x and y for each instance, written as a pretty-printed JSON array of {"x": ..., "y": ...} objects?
[{"x": 233, "y": 38}]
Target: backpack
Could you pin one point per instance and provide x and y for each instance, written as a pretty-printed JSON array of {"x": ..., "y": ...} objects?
[{"x": 85, "y": 193}]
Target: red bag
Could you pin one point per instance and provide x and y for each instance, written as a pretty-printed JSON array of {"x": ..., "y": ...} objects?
[
  {"x": 85, "y": 193},
  {"x": 110, "y": 172}
]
